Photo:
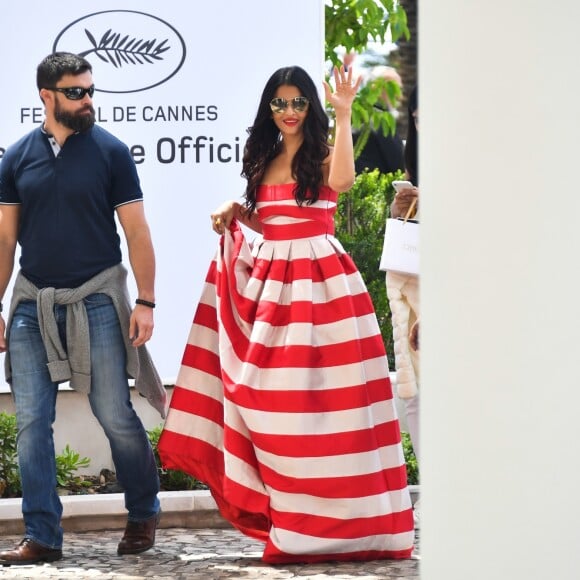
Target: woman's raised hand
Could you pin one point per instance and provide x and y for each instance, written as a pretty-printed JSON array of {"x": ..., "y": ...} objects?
[{"x": 346, "y": 89}]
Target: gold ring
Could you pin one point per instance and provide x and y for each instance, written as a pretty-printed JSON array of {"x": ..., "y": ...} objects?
[{"x": 217, "y": 221}]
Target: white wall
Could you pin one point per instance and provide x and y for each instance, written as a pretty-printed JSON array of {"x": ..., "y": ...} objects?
[
  {"x": 76, "y": 426},
  {"x": 499, "y": 121},
  {"x": 229, "y": 49}
]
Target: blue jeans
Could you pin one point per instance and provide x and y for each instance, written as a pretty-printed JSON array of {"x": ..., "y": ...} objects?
[{"x": 35, "y": 400}]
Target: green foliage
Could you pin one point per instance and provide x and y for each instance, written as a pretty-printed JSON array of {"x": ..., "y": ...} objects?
[
  {"x": 410, "y": 459},
  {"x": 171, "y": 479},
  {"x": 352, "y": 24},
  {"x": 9, "y": 474},
  {"x": 368, "y": 109},
  {"x": 360, "y": 227},
  {"x": 67, "y": 464}
]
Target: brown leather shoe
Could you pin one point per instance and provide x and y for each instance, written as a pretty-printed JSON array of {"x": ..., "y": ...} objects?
[
  {"x": 29, "y": 552},
  {"x": 138, "y": 536}
]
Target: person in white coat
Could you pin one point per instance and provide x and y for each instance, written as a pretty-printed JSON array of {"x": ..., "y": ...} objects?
[{"x": 403, "y": 293}]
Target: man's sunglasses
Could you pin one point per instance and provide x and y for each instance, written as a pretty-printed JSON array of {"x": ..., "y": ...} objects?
[
  {"x": 74, "y": 93},
  {"x": 298, "y": 104}
]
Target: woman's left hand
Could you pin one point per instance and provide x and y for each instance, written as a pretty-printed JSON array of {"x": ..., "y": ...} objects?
[
  {"x": 222, "y": 217},
  {"x": 346, "y": 89}
]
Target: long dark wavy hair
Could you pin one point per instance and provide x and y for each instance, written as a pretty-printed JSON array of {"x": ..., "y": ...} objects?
[
  {"x": 264, "y": 140},
  {"x": 411, "y": 144}
]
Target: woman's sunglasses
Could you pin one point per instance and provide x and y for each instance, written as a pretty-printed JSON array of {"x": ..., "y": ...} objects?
[
  {"x": 74, "y": 93},
  {"x": 298, "y": 104}
]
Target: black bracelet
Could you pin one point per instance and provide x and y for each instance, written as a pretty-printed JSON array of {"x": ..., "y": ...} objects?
[
  {"x": 1, "y": 307},
  {"x": 145, "y": 303}
]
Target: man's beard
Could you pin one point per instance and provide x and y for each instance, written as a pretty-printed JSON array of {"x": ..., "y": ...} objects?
[{"x": 80, "y": 121}]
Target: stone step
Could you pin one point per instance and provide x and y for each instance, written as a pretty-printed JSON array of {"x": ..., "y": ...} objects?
[
  {"x": 189, "y": 509},
  {"x": 193, "y": 509}
]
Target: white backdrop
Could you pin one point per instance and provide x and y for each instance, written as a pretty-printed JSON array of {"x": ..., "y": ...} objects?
[
  {"x": 500, "y": 282},
  {"x": 184, "y": 113}
]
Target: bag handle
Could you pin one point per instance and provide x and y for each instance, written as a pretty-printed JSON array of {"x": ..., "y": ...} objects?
[{"x": 410, "y": 210}]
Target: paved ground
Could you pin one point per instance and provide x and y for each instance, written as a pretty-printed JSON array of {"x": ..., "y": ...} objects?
[{"x": 180, "y": 554}]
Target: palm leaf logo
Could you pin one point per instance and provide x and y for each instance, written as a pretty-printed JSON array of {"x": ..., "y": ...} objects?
[{"x": 113, "y": 49}]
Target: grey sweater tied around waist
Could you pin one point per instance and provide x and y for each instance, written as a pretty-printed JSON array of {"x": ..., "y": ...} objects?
[{"x": 75, "y": 366}]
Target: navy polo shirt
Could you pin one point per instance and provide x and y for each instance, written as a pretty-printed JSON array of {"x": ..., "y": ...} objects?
[{"x": 67, "y": 229}]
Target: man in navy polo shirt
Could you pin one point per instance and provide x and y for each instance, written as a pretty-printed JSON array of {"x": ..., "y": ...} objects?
[{"x": 70, "y": 318}]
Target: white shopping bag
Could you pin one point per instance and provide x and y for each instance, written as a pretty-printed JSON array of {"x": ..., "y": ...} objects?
[{"x": 401, "y": 246}]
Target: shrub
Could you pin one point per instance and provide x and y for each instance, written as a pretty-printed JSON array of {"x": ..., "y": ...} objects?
[
  {"x": 171, "y": 479},
  {"x": 9, "y": 474},
  {"x": 410, "y": 459},
  {"x": 67, "y": 463},
  {"x": 360, "y": 226}
]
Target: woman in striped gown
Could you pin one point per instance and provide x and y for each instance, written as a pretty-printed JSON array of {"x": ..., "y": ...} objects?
[{"x": 283, "y": 404}]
